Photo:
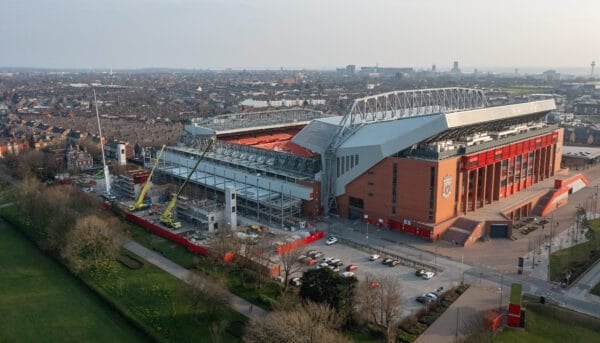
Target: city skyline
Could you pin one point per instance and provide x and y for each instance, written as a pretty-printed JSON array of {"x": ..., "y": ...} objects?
[{"x": 310, "y": 34}]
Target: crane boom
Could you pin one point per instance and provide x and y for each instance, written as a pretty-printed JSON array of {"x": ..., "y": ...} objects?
[
  {"x": 139, "y": 204},
  {"x": 167, "y": 217}
]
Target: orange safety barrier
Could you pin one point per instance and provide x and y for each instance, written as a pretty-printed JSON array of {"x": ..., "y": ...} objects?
[{"x": 300, "y": 242}]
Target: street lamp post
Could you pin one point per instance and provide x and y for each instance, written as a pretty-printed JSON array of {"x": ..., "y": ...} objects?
[{"x": 366, "y": 216}]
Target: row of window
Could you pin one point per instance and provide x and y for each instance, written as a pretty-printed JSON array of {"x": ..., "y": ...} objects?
[{"x": 346, "y": 163}]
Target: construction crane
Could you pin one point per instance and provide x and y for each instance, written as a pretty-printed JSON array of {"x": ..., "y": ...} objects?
[
  {"x": 167, "y": 217},
  {"x": 139, "y": 204}
]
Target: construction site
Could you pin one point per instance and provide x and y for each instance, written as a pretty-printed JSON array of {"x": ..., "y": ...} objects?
[{"x": 239, "y": 172}]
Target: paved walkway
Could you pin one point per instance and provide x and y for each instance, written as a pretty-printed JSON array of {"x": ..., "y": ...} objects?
[
  {"x": 240, "y": 305},
  {"x": 582, "y": 287},
  {"x": 461, "y": 317}
]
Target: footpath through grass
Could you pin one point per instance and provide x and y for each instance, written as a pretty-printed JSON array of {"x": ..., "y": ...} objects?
[
  {"x": 160, "y": 303},
  {"x": 264, "y": 297},
  {"x": 548, "y": 323},
  {"x": 42, "y": 302},
  {"x": 577, "y": 259}
]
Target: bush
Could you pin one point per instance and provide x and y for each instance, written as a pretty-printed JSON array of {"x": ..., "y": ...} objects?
[
  {"x": 405, "y": 337},
  {"x": 376, "y": 331},
  {"x": 236, "y": 328}
]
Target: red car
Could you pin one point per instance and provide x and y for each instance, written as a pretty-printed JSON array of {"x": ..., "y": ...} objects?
[
  {"x": 351, "y": 267},
  {"x": 374, "y": 284}
]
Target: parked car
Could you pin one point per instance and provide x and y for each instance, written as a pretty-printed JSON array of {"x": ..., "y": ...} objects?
[
  {"x": 386, "y": 260},
  {"x": 331, "y": 240},
  {"x": 420, "y": 272},
  {"x": 279, "y": 278},
  {"x": 352, "y": 267},
  {"x": 393, "y": 263},
  {"x": 322, "y": 265},
  {"x": 427, "y": 298},
  {"x": 336, "y": 262},
  {"x": 295, "y": 281},
  {"x": 428, "y": 275},
  {"x": 347, "y": 274},
  {"x": 318, "y": 255},
  {"x": 374, "y": 284},
  {"x": 374, "y": 257}
]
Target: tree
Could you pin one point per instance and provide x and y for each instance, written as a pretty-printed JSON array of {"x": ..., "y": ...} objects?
[
  {"x": 310, "y": 323},
  {"x": 290, "y": 264},
  {"x": 92, "y": 243},
  {"x": 326, "y": 286},
  {"x": 211, "y": 293},
  {"x": 380, "y": 305}
]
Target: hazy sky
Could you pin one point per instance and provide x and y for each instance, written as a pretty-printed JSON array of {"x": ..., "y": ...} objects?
[{"x": 261, "y": 34}]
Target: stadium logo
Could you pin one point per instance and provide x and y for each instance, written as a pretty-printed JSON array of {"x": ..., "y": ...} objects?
[{"x": 447, "y": 186}]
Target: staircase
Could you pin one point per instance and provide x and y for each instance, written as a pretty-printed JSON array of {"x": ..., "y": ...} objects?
[{"x": 461, "y": 231}]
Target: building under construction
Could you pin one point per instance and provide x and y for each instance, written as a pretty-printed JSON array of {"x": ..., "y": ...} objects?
[{"x": 413, "y": 161}]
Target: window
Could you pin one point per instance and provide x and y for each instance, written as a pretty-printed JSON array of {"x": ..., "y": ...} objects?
[
  {"x": 356, "y": 202},
  {"x": 356, "y": 162},
  {"x": 431, "y": 187},
  {"x": 394, "y": 183},
  {"x": 352, "y": 161},
  {"x": 371, "y": 195},
  {"x": 393, "y": 209},
  {"x": 337, "y": 164},
  {"x": 232, "y": 196},
  {"x": 232, "y": 209},
  {"x": 371, "y": 184},
  {"x": 347, "y": 162}
]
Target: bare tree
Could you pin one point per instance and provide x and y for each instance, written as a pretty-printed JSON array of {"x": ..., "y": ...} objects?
[
  {"x": 381, "y": 305},
  {"x": 92, "y": 243},
  {"x": 308, "y": 324},
  {"x": 211, "y": 293},
  {"x": 290, "y": 264}
]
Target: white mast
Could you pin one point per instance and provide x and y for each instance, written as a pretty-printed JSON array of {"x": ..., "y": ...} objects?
[{"x": 106, "y": 175}]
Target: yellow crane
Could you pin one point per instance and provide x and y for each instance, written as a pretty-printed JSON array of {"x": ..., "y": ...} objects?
[
  {"x": 139, "y": 204},
  {"x": 167, "y": 217}
]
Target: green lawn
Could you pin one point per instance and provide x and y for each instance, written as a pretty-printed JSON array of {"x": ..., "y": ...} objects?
[
  {"x": 159, "y": 302},
  {"x": 596, "y": 290},
  {"x": 547, "y": 323},
  {"x": 578, "y": 258},
  {"x": 42, "y": 302},
  {"x": 263, "y": 297}
]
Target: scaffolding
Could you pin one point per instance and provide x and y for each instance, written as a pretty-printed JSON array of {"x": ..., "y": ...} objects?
[{"x": 261, "y": 194}]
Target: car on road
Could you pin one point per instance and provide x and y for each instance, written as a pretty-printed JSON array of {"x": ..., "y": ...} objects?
[
  {"x": 351, "y": 267},
  {"x": 428, "y": 275},
  {"x": 427, "y": 298},
  {"x": 296, "y": 281},
  {"x": 331, "y": 240},
  {"x": 420, "y": 272},
  {"x": 386, "y": 261},
  {"x": 347, "y": 274},
  {"x": 374, "y": 257}
]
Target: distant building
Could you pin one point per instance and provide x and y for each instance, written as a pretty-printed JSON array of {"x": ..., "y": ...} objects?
[
  {"x": 118, "y": 151},
  {"x": 78, "y": 159},
  {"x": 350, "y": 69},
  {"x": 588, "y": 108},
  {"x": 455, "y": 68}
]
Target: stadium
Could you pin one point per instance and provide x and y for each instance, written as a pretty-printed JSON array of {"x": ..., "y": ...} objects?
[{"x": 433, "y": 163}]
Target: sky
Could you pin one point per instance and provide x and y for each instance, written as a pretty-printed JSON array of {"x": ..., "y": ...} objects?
[{"x": 296, "y": 34}]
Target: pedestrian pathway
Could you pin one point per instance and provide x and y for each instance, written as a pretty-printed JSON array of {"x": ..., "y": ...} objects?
[{"x": 238, "y": 304}]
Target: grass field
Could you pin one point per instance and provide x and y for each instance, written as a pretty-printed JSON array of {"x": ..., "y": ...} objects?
[
  {"x": 596, "y": 290},
  {"x": 577, "y": 258},
  {"x": 547, "y": 323},
  {"x": 159, "y": 302},
  {"x": 263, "y": 297},
  {"x": 42, "y": 302}
]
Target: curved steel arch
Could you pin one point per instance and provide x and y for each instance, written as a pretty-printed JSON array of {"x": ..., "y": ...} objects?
[{"x": 392, "y": 106}]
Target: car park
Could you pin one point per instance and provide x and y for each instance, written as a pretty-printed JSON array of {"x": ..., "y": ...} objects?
[
  {"x": 295, "y": 281},
  {"x": 420, "y": 272},
  {"x": 428, "y": 275},
  {"x": 374, "y": 257},
  {"x": 331, "y": 240},
  {"x": 373, "y": 284},
  {"x": 352, "y": 267},
  {"x": 427, "y": 298}
]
